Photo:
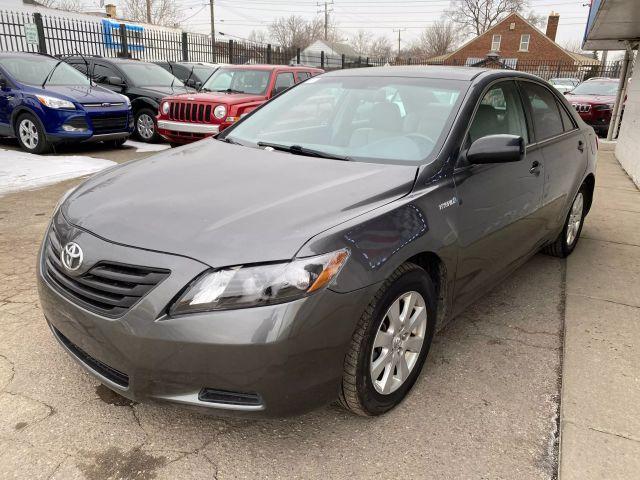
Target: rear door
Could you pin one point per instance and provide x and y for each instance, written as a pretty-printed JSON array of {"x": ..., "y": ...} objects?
[
  {"x": 564, "y": 149},
  {"x": 497, "y": 217},
  {"x": 283, "y": 81},
  {"x": 7, "y": 103}
]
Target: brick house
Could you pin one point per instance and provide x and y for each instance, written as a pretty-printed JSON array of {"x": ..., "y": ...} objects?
[{"x": 514, "y": 40}]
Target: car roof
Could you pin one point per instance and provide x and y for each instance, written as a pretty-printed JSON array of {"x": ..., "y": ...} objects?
[
  {"x": 270, "y": 67},
  {"x": 23, "y": 55},
  {"x": 429, "y": 71}
]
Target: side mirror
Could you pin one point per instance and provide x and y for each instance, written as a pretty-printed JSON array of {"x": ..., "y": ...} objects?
[
  {"x": 496, "y": 149},
  {"x": 116, "y": 81},
  {"x": 191, "y": 82}
]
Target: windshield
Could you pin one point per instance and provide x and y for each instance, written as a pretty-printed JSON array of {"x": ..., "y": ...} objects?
[
  {"x": 239, "y": 80},
  {"x": 201, "y": 73},
  {"x": 370, "y": 119},
  {"x": 34, "y": 70},
  {"x": 561, "y": 81},
  {"x": 596, "y": 88},
  {"x": 149, "y": 75}
]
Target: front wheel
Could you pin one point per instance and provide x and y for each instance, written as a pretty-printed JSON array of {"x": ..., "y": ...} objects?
[
  {"x": 146, "y": 129},
  {"x": 564, "y": 244},
  {"x": 30, "y": 134},
  {"x": 390, "y": 344}
]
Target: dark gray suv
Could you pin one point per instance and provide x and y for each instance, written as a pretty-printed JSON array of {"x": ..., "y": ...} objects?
[{"x": 311, "y": 251}]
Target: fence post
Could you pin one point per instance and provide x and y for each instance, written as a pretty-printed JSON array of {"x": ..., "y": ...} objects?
[
  {"x": 298, "y": 55},
  {"x": 342, "y": 60},
  {"x": 124, "y": 46},
  {"x": 367, "y": 62},
  {"x": 269, "y": 54},
  {"x": 231, "y": 51},
  {"x": 42, "y": 44},
  {"x": 185, "y": 47},
  {"x": 322, "y": 59}
]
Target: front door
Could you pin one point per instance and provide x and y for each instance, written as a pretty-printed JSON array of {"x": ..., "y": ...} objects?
[{"x": 498, "y": 220}]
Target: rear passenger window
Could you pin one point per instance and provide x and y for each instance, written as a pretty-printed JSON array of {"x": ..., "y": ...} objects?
[
  {"x": 302, "y": 76},
  {"x": 284, "y": 81},
  {"x": 500, "y": 112},
  {"x": 567, "y": 121},
  {"x": 544, "y": 109}
]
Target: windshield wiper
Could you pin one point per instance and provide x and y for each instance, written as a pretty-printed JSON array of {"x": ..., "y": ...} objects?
[
  {"x": 229, "y": 140},
  {"x": 50, "y": 74},
  {"x": 229, "y": 90},
  {"x": 300, "y": 150}
]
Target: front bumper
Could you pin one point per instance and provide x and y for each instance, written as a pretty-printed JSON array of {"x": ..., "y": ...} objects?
[
  {"x": 185, "y": 132},
  {"x": 94, "y": 123},
  {"x": 289, "y": 356}
]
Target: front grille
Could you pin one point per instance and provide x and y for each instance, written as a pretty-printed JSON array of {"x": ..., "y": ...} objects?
[
  {"x": 109, "y": 123},
  {"x": 581, "y": 107},
  {"x": 190, "y": 112},
  {"x": 116, "y": 376},
  {"x": 77, "y": 122},
  {"x": 107, "y": 288}
]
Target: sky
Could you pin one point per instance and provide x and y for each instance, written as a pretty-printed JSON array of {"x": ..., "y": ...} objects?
[{"x": 381, "y": 17}]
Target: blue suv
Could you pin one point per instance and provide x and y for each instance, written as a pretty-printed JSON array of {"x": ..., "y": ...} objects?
[{"x": 44, "y": 101}]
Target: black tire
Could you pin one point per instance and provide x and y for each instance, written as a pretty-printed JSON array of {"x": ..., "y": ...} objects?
[
  {"x": 140, "y": 133},
  {"x": 175, "y": 145},
  {"x": 34, "y": 140},
  {"x": 561, "y": 246},
  {"x": 117, "y": 143},
  {"x": 358, "y": 393}
]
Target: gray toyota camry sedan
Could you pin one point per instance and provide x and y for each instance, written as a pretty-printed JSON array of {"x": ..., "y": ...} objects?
[{"x": 310, "y": 252}]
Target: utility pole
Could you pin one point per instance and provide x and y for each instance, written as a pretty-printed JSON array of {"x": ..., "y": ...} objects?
[
  {"x": 399, "y": 30},
  {"x": 327, "y": 11},
  {"x": 149, "y": 11},
  {"x": 213, "y": 30}
]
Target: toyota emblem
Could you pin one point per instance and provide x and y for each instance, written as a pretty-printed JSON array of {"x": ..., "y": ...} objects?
[{"x": 71, "y": 256}]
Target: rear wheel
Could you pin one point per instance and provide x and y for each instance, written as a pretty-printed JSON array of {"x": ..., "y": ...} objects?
[
  {"x": 564, "y": 244},
  {"x": 146, "y": 129},
  {"x": 31, "y": 135},
  {"x": 390, "y": 344}
]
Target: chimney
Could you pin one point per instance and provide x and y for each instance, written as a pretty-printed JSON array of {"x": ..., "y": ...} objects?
[
  {"x": 111, "y": 10},
  {"x": 552, "y": 25}
]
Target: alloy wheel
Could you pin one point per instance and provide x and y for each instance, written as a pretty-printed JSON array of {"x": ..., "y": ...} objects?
[
  {"x": 398, "y": 342},
  {"x": 28, "y": 133},
  {"x": 145, "y": 126},
  {"x": 575, "y": 218}
]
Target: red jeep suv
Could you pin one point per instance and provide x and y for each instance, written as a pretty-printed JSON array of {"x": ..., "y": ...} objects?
[
  {"x": 229, "y": 94},
  {"x": 594, "y": 99}
]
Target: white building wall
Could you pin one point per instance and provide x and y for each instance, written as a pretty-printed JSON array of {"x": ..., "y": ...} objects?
[{"x": 628, "y": 146}]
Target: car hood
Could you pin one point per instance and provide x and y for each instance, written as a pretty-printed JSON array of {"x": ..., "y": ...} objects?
[
  {"x": 219, "y": 97},
  {"x": 590, "y": 98},
  {"x": 161, "y": 92},
  {"x": 85, "y": 94},
  {"x": 228, "y": 205}
]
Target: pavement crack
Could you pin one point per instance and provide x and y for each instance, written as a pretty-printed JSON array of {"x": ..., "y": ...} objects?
[
  {"x": 498, "y": 340},
  {"x": 619, "y": 435},
  {"x": 12, "y": 367}
]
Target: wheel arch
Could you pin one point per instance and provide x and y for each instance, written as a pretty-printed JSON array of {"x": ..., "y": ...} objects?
[
  {"x": 15, "y": 115},
  {"x": 436, "y": 268},
  {"x": 590, "y": 184},
  {"x": 144, "y": 102}
]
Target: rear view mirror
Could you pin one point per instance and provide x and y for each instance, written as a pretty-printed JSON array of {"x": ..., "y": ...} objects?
[
  {"x": 496, "y": 149},
  {"x": 116, "y": 81}
]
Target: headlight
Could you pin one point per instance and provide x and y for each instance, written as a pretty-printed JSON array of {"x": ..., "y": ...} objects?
[
  {"x": 242, "y": 287},
  {"x": 165, "y": 107},
  {"x": 220, "y": 111},
  {"x": 63, "y": 198},
  {"x": 53, "y": 102},
  {"x": 604, "y": 107}
]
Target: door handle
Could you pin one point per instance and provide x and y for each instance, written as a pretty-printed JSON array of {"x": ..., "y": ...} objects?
[
  {"x": 581, "y": 146},
  {"x": 535, "y": 168}
]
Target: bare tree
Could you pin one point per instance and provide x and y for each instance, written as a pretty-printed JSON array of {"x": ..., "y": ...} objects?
[
  {"x": 295, "y": 31},
  {"x": 67, "y": 5},
  {"x": 536, "y": 20},
  {"x": 442, "y": 37},
  {"x": 361, "y": 42},
  {"x": 258, "y": 36},
  {"x": 163, "y": 12},
  {"x": 477, "y": 16},
  {"x": 381, "y": 47},
  {"x": 575, "y": 46}
]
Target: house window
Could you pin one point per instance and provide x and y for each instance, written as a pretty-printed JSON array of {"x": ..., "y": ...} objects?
[
  {"x": 524, "y": 42},
  {"x": 495, "y": 43}
]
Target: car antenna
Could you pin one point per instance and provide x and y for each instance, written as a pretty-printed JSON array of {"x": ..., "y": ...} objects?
[
  {"x": 186, "y": 88},
  {"x": 86, "y": 64},
  {"x": 174, "y": 76}
]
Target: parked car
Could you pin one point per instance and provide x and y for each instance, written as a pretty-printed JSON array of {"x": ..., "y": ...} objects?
[
  {"x": 564, "y": 85},
  {"x": 144, "y": 83},
  {"x": 44, "y": 102},
  {"x": 192, "y": 74},
  {"x": 594, "y": 100},
  {"x": 230, "y": 93},
  {"x": 292, "y": 259}
]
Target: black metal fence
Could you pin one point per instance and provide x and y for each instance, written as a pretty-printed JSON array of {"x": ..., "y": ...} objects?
[{"x": 57, "y": 35}]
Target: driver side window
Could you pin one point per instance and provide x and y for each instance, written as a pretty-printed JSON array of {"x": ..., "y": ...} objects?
[{"x": 500, "y": 112}]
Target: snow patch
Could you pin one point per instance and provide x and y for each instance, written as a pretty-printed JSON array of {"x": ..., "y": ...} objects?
[
  {"x": 146, "y": 147},
  {"x": 24, "y": 171}
]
